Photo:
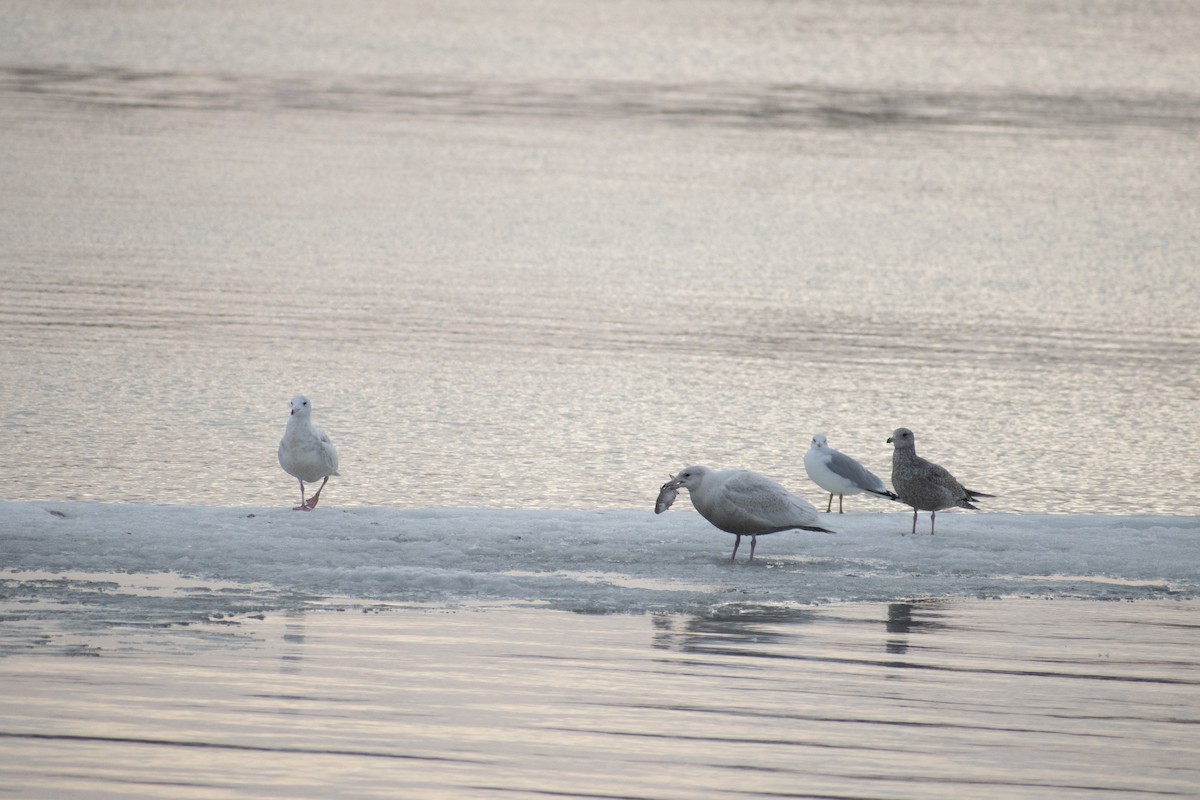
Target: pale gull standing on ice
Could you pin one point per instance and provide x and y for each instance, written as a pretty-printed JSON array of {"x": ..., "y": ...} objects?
[
  {"x": 838, "y": 473},
  {"x": 744, "y": 503},
  {"x": 924, "y": 485},
  {"x": 306, "y": 453}
]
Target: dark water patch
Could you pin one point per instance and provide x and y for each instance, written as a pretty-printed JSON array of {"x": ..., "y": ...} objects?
[{"x": 777, "y": 106}]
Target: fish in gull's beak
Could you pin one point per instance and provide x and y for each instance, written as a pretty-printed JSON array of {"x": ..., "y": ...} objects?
[{"x": 666, "y": 495}]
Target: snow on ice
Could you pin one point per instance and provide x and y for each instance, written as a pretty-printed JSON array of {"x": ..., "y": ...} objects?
[{"x": 237, "y": 560}]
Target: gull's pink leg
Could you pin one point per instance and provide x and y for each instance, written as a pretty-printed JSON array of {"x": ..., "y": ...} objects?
[
  {"x": 736, "y": 542},
  {"x": 914, "y": 522},
  {"x": 829, "y": 505},
  {"x": 312, "y": 501},
  {"x": 932, "y": 519},
  {"x": 753, "y": 544}
]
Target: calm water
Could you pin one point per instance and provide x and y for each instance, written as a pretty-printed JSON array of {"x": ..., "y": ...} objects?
[
  {"x": 1002, "y": 699},
  {"x": 540, "y": 254}
]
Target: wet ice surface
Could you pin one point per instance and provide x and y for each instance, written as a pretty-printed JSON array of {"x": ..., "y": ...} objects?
[{"x": 593, "y": 561}]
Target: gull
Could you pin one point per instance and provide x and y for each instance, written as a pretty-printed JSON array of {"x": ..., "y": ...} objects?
[
  {"x": 306, "y": 453},
  {"x": 744, "y": 503},
  {"x": 838, "y": 473},
  {"x": 924, "y": 485}
]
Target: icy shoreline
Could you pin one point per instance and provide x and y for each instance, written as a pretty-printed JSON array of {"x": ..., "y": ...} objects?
[{"x": 593, "y": 561}]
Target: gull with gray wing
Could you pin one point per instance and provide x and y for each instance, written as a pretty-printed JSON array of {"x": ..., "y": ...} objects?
[{"x": 838, "y": 473}]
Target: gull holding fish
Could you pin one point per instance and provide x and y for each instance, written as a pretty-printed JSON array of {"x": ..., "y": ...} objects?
[{"x": 741, "y": 502}]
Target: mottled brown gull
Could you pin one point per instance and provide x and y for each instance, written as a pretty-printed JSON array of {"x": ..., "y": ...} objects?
[
  {"x": 306, "y": 453},
  {"x": 744, "y": 503},
  {"x": 924, "y": 485},
  {"x": 838, "y": 473}
]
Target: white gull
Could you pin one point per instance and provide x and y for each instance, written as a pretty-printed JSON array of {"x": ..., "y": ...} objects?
[
  {"x": 744, "y": 503},
  {"x": 306, "y": 453},
  {"x": 838, "y": 473}
]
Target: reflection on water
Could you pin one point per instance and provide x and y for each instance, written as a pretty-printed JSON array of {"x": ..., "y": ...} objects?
[
  {"x": 730, "y": 630},
  {"x": 293, "y": 639},
  {"x": 1016, "y": 699},
  {"x": 906, "y": 618}
]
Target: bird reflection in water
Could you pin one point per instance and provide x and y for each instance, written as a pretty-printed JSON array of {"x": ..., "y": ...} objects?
[
  {"x": 739, "y": 630},
  {"x": 293, "y": 643},
  {"x": 906, "y": 618}
]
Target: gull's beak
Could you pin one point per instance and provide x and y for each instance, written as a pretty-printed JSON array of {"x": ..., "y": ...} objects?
[
  {"x": 889, "y": 441},
  {"x": 670, "y": 485}
]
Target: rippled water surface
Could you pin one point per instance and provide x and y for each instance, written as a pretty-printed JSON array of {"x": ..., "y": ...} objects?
[
  {"x": 542, "y": 256},
  {"x": 1002, "y": 699}
]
